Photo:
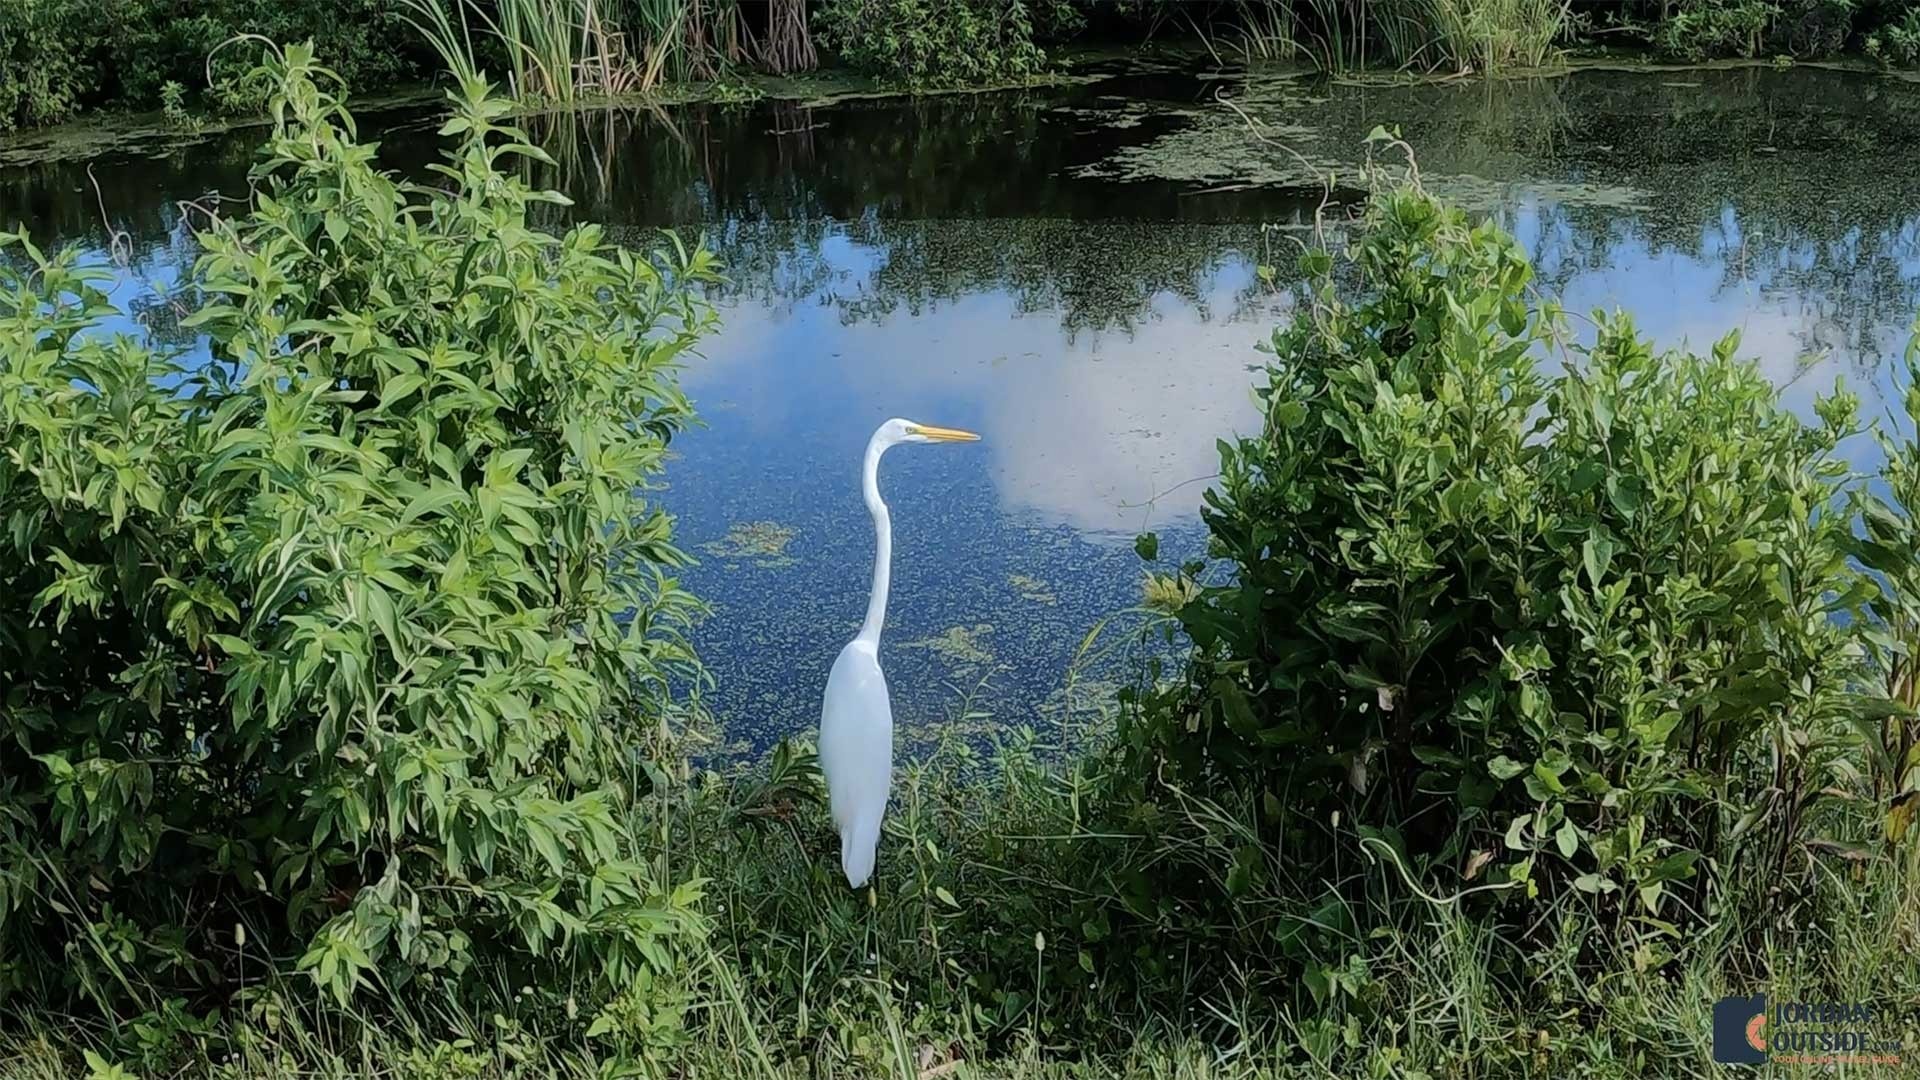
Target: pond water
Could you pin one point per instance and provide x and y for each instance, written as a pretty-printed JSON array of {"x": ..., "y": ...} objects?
[{"x": 1071, "y": 272}]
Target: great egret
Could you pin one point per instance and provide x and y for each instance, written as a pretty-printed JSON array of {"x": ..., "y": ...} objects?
[{"x": 856, "y": 717}]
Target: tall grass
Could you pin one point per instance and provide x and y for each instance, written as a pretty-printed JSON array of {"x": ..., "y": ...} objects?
[
  {"x": 563, "y": 50},
  {"x": 1265, "y": 31},
  {"x": 437, "y": 25},
  {"x": 1483, "y": 36},
  {"x": 936, "y": 972},
  {"x": 1490, "y": 35},
  {"x": 1335, "y": 33}
]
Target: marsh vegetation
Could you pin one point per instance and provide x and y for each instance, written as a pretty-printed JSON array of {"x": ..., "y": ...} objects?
[{"x": 60, "y": 58}]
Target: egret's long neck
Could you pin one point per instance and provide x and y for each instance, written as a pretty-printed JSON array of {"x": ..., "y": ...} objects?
[{"x": 882, "y": 543}]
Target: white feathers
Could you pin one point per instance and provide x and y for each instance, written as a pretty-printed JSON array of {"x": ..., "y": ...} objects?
[
  {"x": 856, "y": 716},
  {"x": 856, "y": 753}
]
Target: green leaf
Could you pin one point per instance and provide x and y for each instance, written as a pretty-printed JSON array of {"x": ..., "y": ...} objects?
[
  {"x": 1596, "y": 555},
  {"x": 1515, "y": 838},
  {"x": 1147, "y": 546},
  {"x": 1505, "y": 768}
]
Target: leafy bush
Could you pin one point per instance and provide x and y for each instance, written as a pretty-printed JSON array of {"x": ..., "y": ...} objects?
[
  {"x": 1578, "y": 634},
  {"x": 1814, "y": 27},
  {"x": 60, "y": 56},
  {"x": 173, "y": 105},
  {"x": 1889, "y": 545},
  {"x": 153, "y": 41},
  {"x": 337, "y": 645},
  {"x": 44, "y": 71},
  {"x": 1700, "y": 29},
  {"x": 1897, "y": 42},
  {"x": 932, "y": 42}
]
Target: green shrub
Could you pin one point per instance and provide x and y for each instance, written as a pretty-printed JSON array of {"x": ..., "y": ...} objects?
[
  {"x": 1889, "y": 545},
  {"x": 44, "y": 66},
  {"x": 153, "y": 41},
  {"x": 1898, "y": 42},
  {"x": 934, "y": 42},
  {"x": 173, "y": 105},
  {"x": 1699, "y": 29},
  {"x": 60, "y": 56},
  {"x": 333, "y": 651},
  {"x": 1811, "y": 28},
  {"x": 1575, "y": 633}
]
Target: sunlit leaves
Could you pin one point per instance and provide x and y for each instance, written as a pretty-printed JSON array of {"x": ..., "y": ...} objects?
[
  {"x": 1603, "y": 621},
  {"x": 365, "y": 611}
]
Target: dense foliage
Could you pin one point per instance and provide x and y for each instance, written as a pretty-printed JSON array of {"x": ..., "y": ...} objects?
[
  {"x": 331, "y": 649},
  {"x": 1583, "y": 632},
  {"x": 923, "y": 42},
  {"x": 58, "y": 56},
  {"x": 1749, "y": 29},
  {"x": 43, "y": 74}
]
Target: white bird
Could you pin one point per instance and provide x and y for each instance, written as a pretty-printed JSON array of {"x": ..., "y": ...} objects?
[{"x": 856, "y": 717}]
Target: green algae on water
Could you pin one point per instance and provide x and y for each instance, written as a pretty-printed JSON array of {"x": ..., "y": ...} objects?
[
  {"x": 1032, "y": 589},
  {"x": 763, "y": 543},
  {"x": 962, "y": 646}
]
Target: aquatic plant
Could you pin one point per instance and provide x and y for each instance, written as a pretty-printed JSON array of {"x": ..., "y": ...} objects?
[
  {"x": 556, "y": 49},
  {"x": 1464, "y": 35},
  {"x": 764, "y": 543},
  {"x": 1487, "y": 35},
  {"x": 561, "y": 49},
  {"x": 1889, "y": 545}
]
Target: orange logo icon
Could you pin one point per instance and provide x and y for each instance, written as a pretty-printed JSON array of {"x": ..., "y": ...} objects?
[{"x": 1756, "y": 1032}]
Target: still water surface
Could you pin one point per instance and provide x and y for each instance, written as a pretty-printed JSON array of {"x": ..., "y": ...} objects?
[{"x": 1071, "y": 272}]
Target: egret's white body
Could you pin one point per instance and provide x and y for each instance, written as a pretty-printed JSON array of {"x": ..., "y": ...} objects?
[{"x": 856, "y": 716}]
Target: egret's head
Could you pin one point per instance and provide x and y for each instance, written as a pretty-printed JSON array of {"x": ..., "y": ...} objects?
[{"x": 899, "y": 431}]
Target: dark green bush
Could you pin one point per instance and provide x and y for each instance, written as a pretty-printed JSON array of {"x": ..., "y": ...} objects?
[
  {"x": 935, "y": 42},
  {"x": 152, "y": 42},
  {"x": 1699, "y": 29},
  {"x": 1702, "y": 29},
  {"x": 60, "y": 56},
  {"x": 332, "y": 652},
  {"x": 1576, "y": 632},
  {"x": 44, "y": 70},
  {"x": 1812, "y": 28},
  {"x": 1897, "y": 41}
]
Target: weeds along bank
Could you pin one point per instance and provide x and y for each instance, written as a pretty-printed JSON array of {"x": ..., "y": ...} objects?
[
  {"x": 60, "y": 58},
  {"x": 1526, "y": 714}
]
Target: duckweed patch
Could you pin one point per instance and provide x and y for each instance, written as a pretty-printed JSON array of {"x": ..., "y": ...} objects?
[
  {"x": 963, "y": 647},
  {"x": 1032, "y": 589},
  {"x": 763, "y": 543},
  {"x": 1290, "y": 130}
]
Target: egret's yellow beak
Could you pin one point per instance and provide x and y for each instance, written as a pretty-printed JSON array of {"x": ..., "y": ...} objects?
[{"x": 943, "y": 434}]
